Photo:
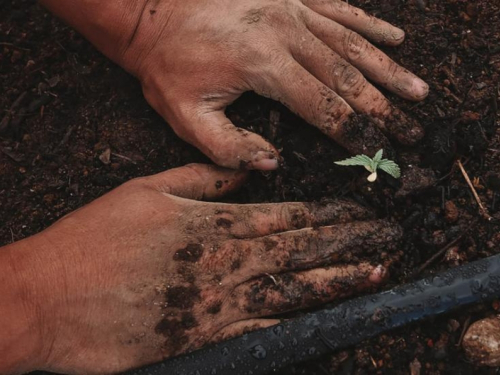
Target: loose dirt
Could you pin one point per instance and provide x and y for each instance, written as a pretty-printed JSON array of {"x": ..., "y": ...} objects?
[{"x": 73, "y": 126}]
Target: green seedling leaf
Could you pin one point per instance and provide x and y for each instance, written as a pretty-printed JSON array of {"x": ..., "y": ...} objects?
[
  {"x": 388, "y": 166},
  {"x": 361, "y": 160},
  {"x": 378, "y": 156}
]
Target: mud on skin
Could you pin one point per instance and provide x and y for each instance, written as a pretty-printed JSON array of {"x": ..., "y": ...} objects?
[
  {"x": 361, "y": 136},
  {"x": 226, "y": 273},
  {"x": 290, "y": 291}
]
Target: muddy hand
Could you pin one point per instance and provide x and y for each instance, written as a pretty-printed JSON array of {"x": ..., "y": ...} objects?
[
  {"x": 194, "y": 57},
  {"x": 146, "y": 273}
]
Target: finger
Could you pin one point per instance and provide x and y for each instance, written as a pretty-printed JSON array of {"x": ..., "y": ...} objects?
[
  {"x": 299, "y": 90},
  {"x": 257, "y": 220},
  {"x": 293, "y": 291},
  {"x": 350, "y": 84},
  {"x": 228, "y": 146},
  {"x": 241, "y": 260},
  {"x": 372, "y": 62},
  {"x": 197, "y": 181},
  {"x": 358, "y": 20},
  {"x": 240, "y": 328}
]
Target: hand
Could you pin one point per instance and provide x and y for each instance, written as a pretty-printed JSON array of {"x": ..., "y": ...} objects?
[
  {"x": 196, "y": 57},
  {"x": 146, "y": 273}
]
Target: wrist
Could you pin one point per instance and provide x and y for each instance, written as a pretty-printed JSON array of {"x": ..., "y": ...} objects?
[
  {"x": 108, "y": 25},
  {"x": 153, "y": 19},
  {"x": 124, "y": 30},
  {"x": 21, "y": 331}
]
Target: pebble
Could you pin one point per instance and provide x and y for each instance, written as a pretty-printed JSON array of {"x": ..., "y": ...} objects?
[
  {"x": 415, "y": 367},
  {"x": 451, "y": 212},
  {"x": 482, "y": 342}
]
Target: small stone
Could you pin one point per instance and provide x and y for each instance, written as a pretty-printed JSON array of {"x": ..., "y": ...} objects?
[
  {"x": 439, "y": 238},
  {"x": 49, "y": 198},
  {"x": 440, "y": 349},
  {"x": 29, "y": 64},
  {"x": 16, "y": 55},
  {"x": 451, "y": 212},
  {"x": 453, "y": 325},
  {"x": 465, "y": 16},
  {"x": 482, "y": 342},
  {"x": 54, "y": 81},
  {"x": 415, "y": 367},
  {"x": 469, "y": 116},
  {"x": 453, "y": 256},
  {"x": 472, "y": 9},
  {"x": 105, "y": 157}
]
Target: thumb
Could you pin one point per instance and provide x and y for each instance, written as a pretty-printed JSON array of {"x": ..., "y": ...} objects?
[
  {"x": 227, "y": 145},
  {"x": 197, "y": 181}
]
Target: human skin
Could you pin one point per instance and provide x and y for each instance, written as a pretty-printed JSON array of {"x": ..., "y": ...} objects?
[
  {"x": 194, "y": 57},
  {"x": 146, "y": 272}
]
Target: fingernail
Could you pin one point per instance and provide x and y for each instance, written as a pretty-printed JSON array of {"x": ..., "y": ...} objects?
[
  {"x": 398, "y": 34},
  {"x": 419, "y": 88},
  {"x": 378, "y": 274},
  {"x": 265, "y": 161}
]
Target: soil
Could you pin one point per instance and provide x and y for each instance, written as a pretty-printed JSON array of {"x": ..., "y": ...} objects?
[{"x": 73, "y": 126}]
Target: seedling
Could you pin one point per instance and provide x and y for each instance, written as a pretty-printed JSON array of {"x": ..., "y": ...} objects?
[{"x": 372, "y": 164}]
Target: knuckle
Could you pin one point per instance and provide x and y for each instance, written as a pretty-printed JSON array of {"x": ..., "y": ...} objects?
[
  {"x": 350, "y": 81},
  {"x": 341, "y": 6},
  {"x": 392, "y": 72},
  {"x": 138, "y": 184},
  {"x": 197, "y": 172},
  {"x": 193, "y": 181},
  {"x": 294, "y": 216},
  {"x": 276, "y": 14},
  {"x": 226, "y": 148},
  {"x": 273, "y": 61},
  {"x": 225, "y": 259},
  {"x": 354, "y": 46},
  {"x": 283, "y": 216},
  {"x": 331, "y": 111}
]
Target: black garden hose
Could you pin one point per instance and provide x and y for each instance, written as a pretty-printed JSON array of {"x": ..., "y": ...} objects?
[{"x": 349, "y": 323}]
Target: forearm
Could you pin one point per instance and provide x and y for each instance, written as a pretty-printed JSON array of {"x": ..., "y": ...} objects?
[
  {"x": 110, "y": 25},
  {"x": 20, "y": 344}
]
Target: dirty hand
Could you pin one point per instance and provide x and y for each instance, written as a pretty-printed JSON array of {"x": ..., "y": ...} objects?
[
  {"x": 194, "y": 57},
  {"x": 146, "y": 273}
]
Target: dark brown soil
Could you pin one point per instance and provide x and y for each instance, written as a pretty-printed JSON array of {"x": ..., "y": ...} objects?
[{"x": 73, "y": 126}]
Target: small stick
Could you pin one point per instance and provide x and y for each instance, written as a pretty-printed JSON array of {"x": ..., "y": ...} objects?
[
  {"x": 123, "y": 157},
  {"x": 440, "y": 252},
  {"x": 8, "y": 117},
  {"x": 14, "y": 46},
  {"x": 272, "y": 278},
  {"x": 466, "y": 325},
  {"x": 450, "y": 76},
  {"x": 484, "y": 211}
]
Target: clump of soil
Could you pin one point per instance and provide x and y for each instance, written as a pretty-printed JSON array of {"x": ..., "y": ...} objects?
[{"x": 73, "y": 126}]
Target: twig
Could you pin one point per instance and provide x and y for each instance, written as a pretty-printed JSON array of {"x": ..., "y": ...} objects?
[
  {"x": 274, "y": 123},
  {"x": 65, "y": 139},
  {"x": 123, "y": 157},
  {"x": 14, "y": 156},
  {"x": 8, "y": 117},
  {"x": 14, "y": 46},
  {"x": 484, "y": 211},
  {"x": 466, "y": 325},
  {"x": 441, "y": 252},
  {"x": 451, "y": 78},
  {"x": 272, "y": 278}
]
